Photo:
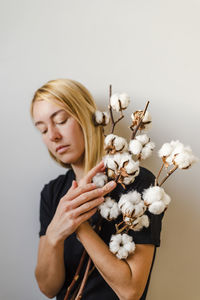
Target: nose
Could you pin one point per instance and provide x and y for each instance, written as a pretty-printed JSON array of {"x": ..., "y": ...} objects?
[{"x": 54, "y": 134}]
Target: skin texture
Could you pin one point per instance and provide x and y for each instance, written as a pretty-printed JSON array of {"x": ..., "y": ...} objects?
[{"x": 126, "y": 277}]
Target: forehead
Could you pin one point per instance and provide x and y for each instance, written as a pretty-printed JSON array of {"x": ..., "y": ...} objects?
[{"x": 43, "y": 109}]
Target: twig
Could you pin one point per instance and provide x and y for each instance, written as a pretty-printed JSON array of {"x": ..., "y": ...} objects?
[
  {"x": 122, "y": 229},
  {"x": 76, "y": 276},
  {"x": 156, "y": 180},
  {"x": 79, "y": 295},
  {"x": 111, "y": 111},
  {"x": 138, "y": 126},
  {"x": 168, "y": 174}
]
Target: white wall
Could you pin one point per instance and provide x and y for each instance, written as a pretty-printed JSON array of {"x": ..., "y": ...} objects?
[{"x": 149, "y": 49}]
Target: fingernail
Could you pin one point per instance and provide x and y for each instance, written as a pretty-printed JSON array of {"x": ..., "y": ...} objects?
[{"x": 111, "y": 183}]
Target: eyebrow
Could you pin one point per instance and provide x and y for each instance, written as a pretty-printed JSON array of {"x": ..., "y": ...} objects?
[{"x": 51, "y": 116}]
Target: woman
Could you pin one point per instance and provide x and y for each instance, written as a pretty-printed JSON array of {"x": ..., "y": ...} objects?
[{"x": 62, "y": 110}]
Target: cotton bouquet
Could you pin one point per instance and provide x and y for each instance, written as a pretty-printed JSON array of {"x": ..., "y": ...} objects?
[{"x": 122, "y": 162}]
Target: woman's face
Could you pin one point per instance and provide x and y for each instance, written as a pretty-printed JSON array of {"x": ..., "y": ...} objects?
[{"x": 61, "y": 133}]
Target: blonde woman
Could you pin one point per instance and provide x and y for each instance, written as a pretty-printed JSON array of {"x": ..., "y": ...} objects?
[{"x": 62, "y": 111}]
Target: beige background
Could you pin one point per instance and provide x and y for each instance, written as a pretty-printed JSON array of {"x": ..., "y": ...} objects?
[{"x": 149, "y": 49}]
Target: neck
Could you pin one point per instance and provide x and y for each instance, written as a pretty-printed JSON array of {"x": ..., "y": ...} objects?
[{"x": 78, "y": 171}]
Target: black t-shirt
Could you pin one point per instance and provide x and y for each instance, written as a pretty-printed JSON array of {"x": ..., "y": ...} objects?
[{"x": 96, "y": 287}]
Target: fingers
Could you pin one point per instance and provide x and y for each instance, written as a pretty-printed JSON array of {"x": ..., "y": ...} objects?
[
  {"x": 94, "y": 171},
  {"x": 88, "y": 206},
  {"x": 93, "y": 194},
  {"x": 78, "y": 190},
  {"x": 84, "y": 217}
]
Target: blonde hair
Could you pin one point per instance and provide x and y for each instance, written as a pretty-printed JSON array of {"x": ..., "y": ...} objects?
[{"x": 79, "y": 103}]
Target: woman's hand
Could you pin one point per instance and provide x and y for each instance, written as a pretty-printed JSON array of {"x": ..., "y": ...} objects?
[{"x": 77, "y": 206}]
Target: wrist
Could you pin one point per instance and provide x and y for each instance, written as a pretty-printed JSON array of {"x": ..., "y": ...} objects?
[{"x": 53, "y": 239}]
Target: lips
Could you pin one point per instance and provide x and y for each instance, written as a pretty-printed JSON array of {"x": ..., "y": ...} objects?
[{"x": 61, "y": 148}]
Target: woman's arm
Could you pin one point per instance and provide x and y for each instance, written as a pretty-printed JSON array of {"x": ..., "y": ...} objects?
[
  {"x": 126, "y": 277},
  {"x": 74, "y": 208},
  {"x": 50, "y": 270}
]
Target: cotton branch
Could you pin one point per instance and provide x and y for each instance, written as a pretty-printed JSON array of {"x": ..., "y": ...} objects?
[
  {"x": 168, "y": 174},
  {"x": 156, "y": 180},
  {"x": 111, "y": 111},
  {"x": 141, "y": 118}
]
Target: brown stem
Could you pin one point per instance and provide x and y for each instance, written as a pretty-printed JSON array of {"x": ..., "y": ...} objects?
[
  {"x": 110, "y": 107},
  {"x": 168, "y": 174},
  {"x": 141, "y": 118},
  {"x": 76, "y": 276},
  {"x": 79, "y": 295},
  {"x": 156, "y": 180},
  {"x": 122, "y": 229}
]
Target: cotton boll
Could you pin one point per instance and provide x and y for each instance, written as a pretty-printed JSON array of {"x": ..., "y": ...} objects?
[
  {"x": 114, "y": 102},
  {"x": 184, "y": 160},
  {"x": 147, "y": 117},
  {"x": 126, "y": 238},
  {"x": 128, "y": 180},
  {"x": 127, "y": 208},
  {"x": 109, "y": 138},
  {"x": 165, "y": 150},
  {"x": 122, "y": 245},
  {"x": 122, "y": 253},
  {"x": 109, "y": 162},
  {"x": 98, "y": 117},
  {"x": 145, "y": 221},
  {"x": 120, "y": 144},
  {"x": 125, "y": 100},
  {"x": 107, "y": 117},
  {"x": 100, "y": 179},
  {"x": 104, "y": 210},
  {"x": 152, "y": 194},
  {"x": 130, "y": 247},
  {"x": 131, "y": 202},
  {"x": 157, "y": 207},
  {"x": 114, "y": 211},
  {"x": 114, "y": 244},
  {"x": 139, "y": 209},
  {"x": 132, "y": 166},
  {"x": 166, "y": 199},
  {"x": 135, "y": 147},
  {"x": 146, "y": 152},
  {"x": 109, "y": 209},
  {"x": 143, "y": 139}
]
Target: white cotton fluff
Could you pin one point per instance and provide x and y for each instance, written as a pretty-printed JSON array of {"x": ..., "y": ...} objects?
[
  {"x": 185, "y": 159},
  {"x": 101, "y": 118},
  {"x": 147, "y": 150},
  {"x": 176, "y": 153},
  {"x": 165, "y": 150},
  {"x": 98, "y": 116},
  {"x": 109, "y": 162},
  {"x": 119, "y": 143},
  {"x": 152, "y": 194},
  {"x": 117, "y": 99},
  {"x": 131, "y": 204},
  {"x": 132, "y": 167},
  {"x": 107, "y": 117},
  {"x": 156, "y": 199},
  {"x": 100, "y": 179},
  {"x": 129, "y": 179},
  {"x": 142, "y": 138},
  {"x": 122, "y": 245},
  {"x": 139, "y": 223},
  {"x": 135, "y": 147},
  {"x": 147, "y": 118},
  {"x": 109, "y": 209},
  {"x": 157, "y": 207}
]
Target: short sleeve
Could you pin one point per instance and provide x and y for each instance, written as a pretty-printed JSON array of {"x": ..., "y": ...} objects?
[
  {"x": 150, "y": 235},
  {"x": 45, "y": 210}
]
